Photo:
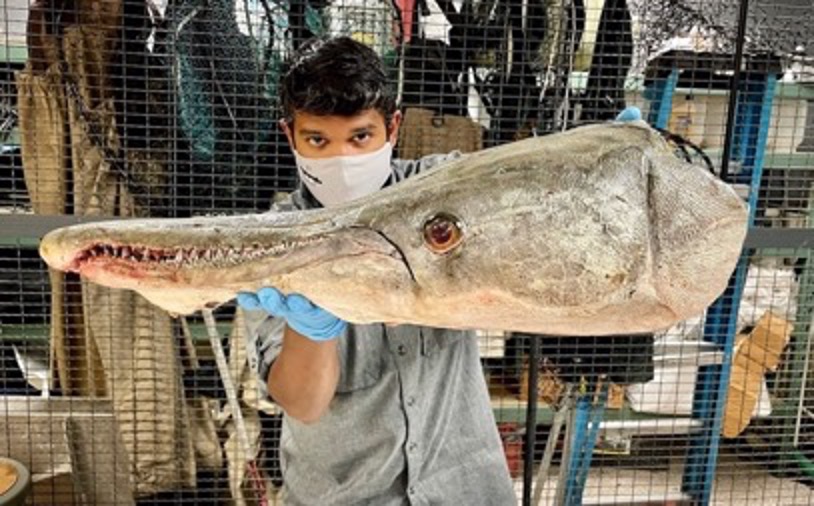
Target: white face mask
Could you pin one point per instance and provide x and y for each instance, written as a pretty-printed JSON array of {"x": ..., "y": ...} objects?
[{"x": 337, "y": 180}]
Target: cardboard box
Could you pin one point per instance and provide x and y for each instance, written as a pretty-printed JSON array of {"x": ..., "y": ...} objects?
[
  {"x": 765, "y": 344},
  {"x": 754, "y": 354},
  {"x": 672, "y": 389},
  {"x": 549, "y": 386},
  {"x": 550, "y": 389},
  {"x": 616, "y": 396}
]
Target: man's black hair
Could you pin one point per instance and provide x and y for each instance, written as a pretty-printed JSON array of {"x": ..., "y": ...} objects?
[{"x": 335, "y": 77}]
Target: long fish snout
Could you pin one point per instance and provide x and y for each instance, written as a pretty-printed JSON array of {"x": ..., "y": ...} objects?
[{"x": 198, "y": 256}]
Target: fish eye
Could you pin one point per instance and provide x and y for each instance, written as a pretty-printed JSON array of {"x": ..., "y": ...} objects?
[{"x": 442, "y": 233}]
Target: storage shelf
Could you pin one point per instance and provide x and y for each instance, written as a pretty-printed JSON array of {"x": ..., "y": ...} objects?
[
  {"x": 508, "y": 409},
  {"x": 777, "y": 160}
]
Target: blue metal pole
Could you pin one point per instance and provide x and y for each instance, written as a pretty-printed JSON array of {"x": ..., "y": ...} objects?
[
  {"x": 660, "y": 94},
  {"x": 757, "y": 109},
  {"x": 710, "y": 392},
  {"x": 720, "y": 326},
  {"x": 590, "y": 411}
]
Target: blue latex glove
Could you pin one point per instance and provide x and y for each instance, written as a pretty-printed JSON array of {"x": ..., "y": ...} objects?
[
  {"x": 300, "y": 313},
  {"x": 629, "y": 114}
]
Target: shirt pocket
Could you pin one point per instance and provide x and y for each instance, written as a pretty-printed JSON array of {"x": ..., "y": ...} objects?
[
  {"x": 433, "y": 339},
  {"x": 361, "y": 357}
]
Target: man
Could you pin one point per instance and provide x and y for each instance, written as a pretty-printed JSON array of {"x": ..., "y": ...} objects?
[{"x": 374, "y": 414}]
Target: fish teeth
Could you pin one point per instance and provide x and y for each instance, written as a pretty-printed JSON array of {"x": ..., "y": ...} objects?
[{"x": 225, "y": 255}]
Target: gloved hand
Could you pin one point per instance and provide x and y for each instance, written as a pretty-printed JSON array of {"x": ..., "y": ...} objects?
[
  {"x": 629, "y": 114},
  {"x": 300, "y": 313}
]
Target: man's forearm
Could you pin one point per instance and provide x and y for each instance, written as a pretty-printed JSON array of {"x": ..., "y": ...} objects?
[{"x": 303, "y": 377}]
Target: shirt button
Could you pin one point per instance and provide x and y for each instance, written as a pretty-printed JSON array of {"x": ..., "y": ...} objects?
[
  {"x": 410, "y": 401},
  {"x": 411, "y": 490},
  {"x": 402, "y": 350},
  {"x": 412, "y": 446}
]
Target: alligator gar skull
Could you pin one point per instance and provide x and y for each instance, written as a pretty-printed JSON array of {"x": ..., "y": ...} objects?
[{"x": 598, "y": 230}]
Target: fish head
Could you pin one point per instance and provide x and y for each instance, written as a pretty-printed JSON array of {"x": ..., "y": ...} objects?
[{"x": 598, "y": 230}]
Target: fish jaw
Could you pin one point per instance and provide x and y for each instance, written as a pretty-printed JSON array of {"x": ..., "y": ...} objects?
[{"x": 186, "y": 265}]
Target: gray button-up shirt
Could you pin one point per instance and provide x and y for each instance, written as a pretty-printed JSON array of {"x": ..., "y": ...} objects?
[{"x": 411, "y": 420}]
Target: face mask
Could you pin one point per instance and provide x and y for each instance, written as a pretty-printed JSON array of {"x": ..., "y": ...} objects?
[{"x": 337, "y": 180}]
